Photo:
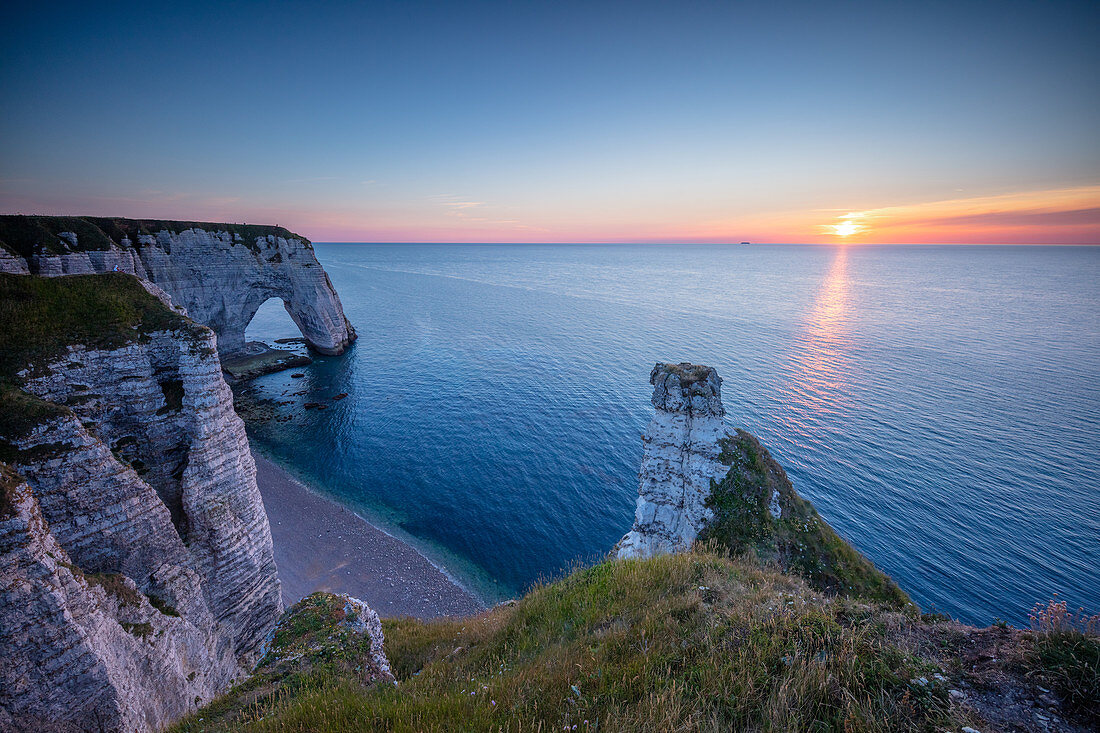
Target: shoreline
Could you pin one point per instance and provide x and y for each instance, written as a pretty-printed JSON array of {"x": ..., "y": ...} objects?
[{"x": 322, "y": 545}]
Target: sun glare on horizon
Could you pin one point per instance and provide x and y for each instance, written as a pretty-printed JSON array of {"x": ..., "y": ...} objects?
[{"x": 845, "y": 228}]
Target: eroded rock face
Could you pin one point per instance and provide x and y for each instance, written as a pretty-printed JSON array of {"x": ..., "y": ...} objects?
[
  {"x": 362, "y": 619},
  {"x": 680, "y": 460},
  {"x": 137, "y": 578},
  {"x": 219, "y": 278}
]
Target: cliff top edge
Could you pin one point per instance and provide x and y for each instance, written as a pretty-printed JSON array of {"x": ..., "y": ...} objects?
[{"x": 28, "y": 235}]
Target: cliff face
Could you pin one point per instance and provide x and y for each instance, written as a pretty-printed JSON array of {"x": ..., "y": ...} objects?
[
  {"x": 220, "y": 273},
  {"x": 680, "y": 460},
  {"x": 137, "y": 577}
]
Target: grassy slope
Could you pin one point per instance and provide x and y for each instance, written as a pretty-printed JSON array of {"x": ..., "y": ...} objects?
[
  {"x": 800, "y": 540},
  {"x": 798, "y": 633},
  {"x": 696, "y": 641},
  {"x": 28, "y": 235}
]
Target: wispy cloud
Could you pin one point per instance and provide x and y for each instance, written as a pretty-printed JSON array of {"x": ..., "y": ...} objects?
[
  {"x": 314, "y": 179},
  {"x": 459, "y": 207}
]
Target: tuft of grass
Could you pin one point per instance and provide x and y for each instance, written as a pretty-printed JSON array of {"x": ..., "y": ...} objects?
[
  {"x": 1067, "y": 655},
  {"x": 695, "y": 641},
  {"x": 799, "y": 540},
  {"x": 115, "y": 584},
  {"x": 1070, "y": 661},
  {"x": 688, "y": 373},
  {"x": 163, "y": 606},
  {"x": 140, "y": 630}
]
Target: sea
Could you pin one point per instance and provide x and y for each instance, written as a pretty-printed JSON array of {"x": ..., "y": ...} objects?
[{"x": 939, "y": 405}]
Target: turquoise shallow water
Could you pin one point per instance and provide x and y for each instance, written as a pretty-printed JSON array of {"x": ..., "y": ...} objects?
[{"x": 939, "y": 405}]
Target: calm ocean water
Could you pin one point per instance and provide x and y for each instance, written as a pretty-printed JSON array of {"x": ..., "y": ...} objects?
[{"x": 939, "y": 405}]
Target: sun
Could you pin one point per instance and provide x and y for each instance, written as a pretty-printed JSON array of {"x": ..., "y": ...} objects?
[{"x": 845, "y": 228}]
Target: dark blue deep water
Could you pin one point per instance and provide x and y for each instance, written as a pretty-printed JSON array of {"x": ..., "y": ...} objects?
[{"x": 939, "y": 405}]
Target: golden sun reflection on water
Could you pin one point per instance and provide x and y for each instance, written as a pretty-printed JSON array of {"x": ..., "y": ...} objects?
[{"x": 819, "y": 364}]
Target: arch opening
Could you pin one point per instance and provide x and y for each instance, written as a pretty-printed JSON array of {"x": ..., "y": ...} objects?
[
  {"x": 271, "y": 341},
  {"x": 271, "y": 322}
]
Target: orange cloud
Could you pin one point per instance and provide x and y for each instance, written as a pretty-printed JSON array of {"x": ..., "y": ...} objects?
[{"x": 1056, "y": 216}]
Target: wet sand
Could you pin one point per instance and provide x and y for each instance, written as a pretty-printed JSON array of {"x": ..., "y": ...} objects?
[{"x": 320, "y": 545}]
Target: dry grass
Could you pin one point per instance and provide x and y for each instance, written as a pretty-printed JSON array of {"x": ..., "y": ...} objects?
[
  {"x": 695, "y": 642},
  {"x": 1067, "y": 655}
]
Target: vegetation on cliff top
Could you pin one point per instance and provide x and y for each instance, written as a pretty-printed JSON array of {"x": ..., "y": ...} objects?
[
  {"x": 799, "y": 540},
  {"x": 30, "y": 235},
  {"x": 41, "y": 316},
  {"x": 696, "y": 641}
]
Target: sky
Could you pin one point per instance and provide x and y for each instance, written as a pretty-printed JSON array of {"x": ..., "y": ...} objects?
[{"x": 562, "y": 121}]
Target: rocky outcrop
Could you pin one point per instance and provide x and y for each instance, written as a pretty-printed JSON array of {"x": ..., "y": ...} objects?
[
  {"x": 220, "y": 273},
  {"x": 137, "y": 578},
  {"x": 362, "y": 619},
  {"x": 680, "y": 461}
]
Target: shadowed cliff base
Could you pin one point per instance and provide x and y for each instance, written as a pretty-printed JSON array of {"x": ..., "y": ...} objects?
[
  {"x": 257, "y": 359},
  {"x": 322, "y": 546}
]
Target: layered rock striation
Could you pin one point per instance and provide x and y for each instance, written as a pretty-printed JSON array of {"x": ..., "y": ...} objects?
[
  {"x": 137, "y": 578},
  {"x": 220, "y": 273},
  {"x": 680, "y": 461}
]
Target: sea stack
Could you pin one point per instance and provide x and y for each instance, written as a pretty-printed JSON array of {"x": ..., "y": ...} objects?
[{"x": 680, "y": 460}]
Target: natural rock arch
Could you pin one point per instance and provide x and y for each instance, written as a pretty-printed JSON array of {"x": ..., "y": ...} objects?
[
  {"x": 303, "y": 287},
  {"x": 220, "y": 273}
]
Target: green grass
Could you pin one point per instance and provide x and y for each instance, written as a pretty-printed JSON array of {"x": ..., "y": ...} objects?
[
  {"x": 29, "y": 235},
  {"x": 1066, "y": 654},
  {"x": 114, "y": 584},
  {"x": 40, "y": 317},
  {"x": 799, "y": 541},
  {"x": 689, "y": 374},
  {"x": 1070, "y": 661},
  {"x": 163, "y": 606},
  {"x": 694, "y": 641},
  {"x": 140, "y": 630},
  {"x": 20, "y": 413}
]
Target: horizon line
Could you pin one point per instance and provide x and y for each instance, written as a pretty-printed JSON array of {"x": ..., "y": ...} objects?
[{"x": 732, "y": 244}]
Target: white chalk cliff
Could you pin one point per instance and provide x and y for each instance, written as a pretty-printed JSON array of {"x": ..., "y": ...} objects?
[
  {"x": 137, "y": 578},
  {"x": 680, "y": 461},
  {"x": 219, "y": 275}
]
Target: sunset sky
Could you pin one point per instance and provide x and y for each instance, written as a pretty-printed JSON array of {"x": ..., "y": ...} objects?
[{"x": 562, "y": 121}]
